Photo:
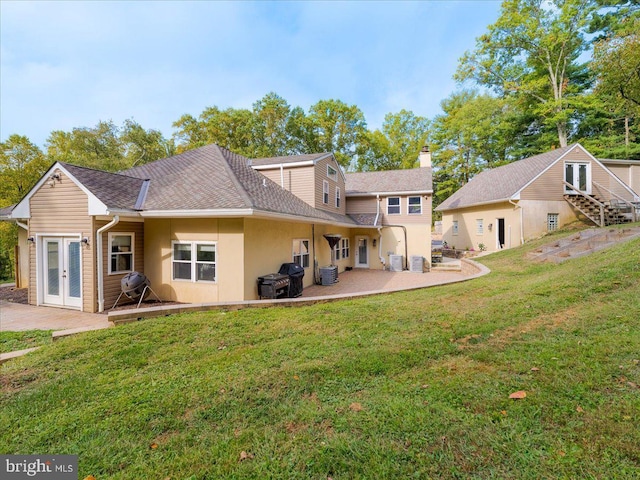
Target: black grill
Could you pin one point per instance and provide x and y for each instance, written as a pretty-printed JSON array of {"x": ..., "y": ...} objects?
[
  {"x": 296, "y": 274},
  {"x": 273, "y": 285}
]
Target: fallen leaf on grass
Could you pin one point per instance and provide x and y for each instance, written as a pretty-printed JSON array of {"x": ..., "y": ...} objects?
[
  {"x": 153, "y": 446},
  {"x": 535, "y": 369},
  {"x": 519, "y": 395},
  {"x": 355, "y": 407},
  {"x": 503, "y": 412},
  {"x": 579, "y": 409},
  {"x": 89, "y": 477},
  {"x": 245, "y": 456},
  {"x": 561, "y": 453}
]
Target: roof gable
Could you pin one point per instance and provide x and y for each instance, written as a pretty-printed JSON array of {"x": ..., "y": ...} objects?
[{"x": 505, "y": 182}]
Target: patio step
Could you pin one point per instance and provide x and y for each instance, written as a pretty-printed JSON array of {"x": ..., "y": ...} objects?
[{"x": 446, "y": 267}]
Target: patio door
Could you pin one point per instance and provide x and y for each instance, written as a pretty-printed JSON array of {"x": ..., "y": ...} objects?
[
  {"x": 362, "y": 252},
  {"x": 578, "y": 175},
  {"x": 61, "y": 272}
]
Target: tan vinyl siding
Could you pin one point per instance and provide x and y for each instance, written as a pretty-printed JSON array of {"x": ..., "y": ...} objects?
[
  {"x": 548, "y": 185},
  {"x": 297, "y": 180},
  {"x": 62, "y": 209},
  {"x": 357, "y": 205},
  {"x": 320, "y": 177},
  {"x": 404, "y": 218},
  {"x": 112, "y": 286}
]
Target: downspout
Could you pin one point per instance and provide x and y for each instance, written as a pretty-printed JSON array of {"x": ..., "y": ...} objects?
[
  {"x": 375, "y": 222},
  {"x": 282, "y": 175},
  {"x": 99, "y": 264},
  {"x": 22, "y": 225},
  {"x": 521, "y": 221}
]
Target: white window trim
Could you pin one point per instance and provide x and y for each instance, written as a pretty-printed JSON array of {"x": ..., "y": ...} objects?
[
  {"x": 294, "y": 253},
  {"x": 399, "y": 206},
  {"x": 110, "y": 236},
  {"x": 337, "y": 197},
  {"x": 409, "y": 205},
  {"x": 345, "y": 247},
  {"x": 479, "y": 226},
  {"x": 334, "y": 175},
  {"x": 194, "y": 261},
  {"x": 325, "y": 192}
]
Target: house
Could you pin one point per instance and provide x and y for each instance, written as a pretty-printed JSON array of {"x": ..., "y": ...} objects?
[
  {"x": 506, "y": 206},
  {"x": 205, "y": 224}
]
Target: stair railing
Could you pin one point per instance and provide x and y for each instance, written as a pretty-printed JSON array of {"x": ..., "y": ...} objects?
[
  {"x": 632, "y": 207},
  {"x": 591, "y": 199}
]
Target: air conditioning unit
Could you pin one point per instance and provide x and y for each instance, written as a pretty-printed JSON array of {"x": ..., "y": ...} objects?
[
  {"x": 416, "y": 263},
  {"x": 329, "y": 275},
  {"x": 395, "y": 263}
]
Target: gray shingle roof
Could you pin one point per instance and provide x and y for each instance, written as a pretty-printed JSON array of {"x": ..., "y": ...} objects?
[
  {"x": 115, "y": 190},
  {"x": 312, "y": 157},
  {"x": 212, "y": 178},
  {"x": 502, "y": 183},
  {"x": 413, "y": 180}
]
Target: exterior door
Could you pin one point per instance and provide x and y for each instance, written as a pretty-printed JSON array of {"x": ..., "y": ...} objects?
[
  {"x": 501, "y": 236},
  {"x": 62, "y": 272},
  {"x": 362, "y": 252},
  {"x": 578, "y": 175}
]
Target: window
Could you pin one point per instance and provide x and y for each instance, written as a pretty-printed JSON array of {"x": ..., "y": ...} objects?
[
  {"x": 337, "y": 197},
  {"x": 414, "y": 206},
  {"x": 552, "y": 222},
  {"x": 332, "y": 173},
  {"x": 479, "y": 226},
  {"x": 301, "y": 253},
  {"x": 345, "y": 247},
  {"x": 454, "y": 228},
  {"x": 121, "y": 252},
  {"x": 393, "y": 205},
  {"x": 325, "y": 192},
  {"x": 194, "y": 261},
  {"x": 337, "y": 251}
]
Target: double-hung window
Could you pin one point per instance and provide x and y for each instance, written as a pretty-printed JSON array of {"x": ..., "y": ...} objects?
[
  {"x": 345, "y": 247},
  {"x": 194, "y": 261},
  {"x": 301, "y": 253},
  {"x": 325, "y": 192},
  {"x": 393, "y": 205},
  {"x": 414, "y": 206},
  {"x": 337, "y": 197},
  {"x": 121, "y": 247}
]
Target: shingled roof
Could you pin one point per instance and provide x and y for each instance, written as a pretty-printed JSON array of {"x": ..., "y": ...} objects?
[
  {"x": 502, "y": 183},
  {"x": 213, "y": 178},
  {"x": 418, "y": 180},
  {"x": 115, "y": 190}
]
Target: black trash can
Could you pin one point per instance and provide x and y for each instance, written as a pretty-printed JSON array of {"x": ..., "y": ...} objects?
[{"x": 296, "y": 274}]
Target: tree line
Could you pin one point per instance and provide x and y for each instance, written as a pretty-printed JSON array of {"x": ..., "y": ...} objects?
[{"x": 545, "y": 74}]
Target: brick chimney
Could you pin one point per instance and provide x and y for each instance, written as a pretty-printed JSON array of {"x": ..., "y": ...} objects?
[{"x": 425, "y": 157}]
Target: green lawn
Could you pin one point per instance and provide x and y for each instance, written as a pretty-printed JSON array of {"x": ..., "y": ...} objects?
[
  {"x": 12, "y": 341},
  {"x": 406, "y": 385}
]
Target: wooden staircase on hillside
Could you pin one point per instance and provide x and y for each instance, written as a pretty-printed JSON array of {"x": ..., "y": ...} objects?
[{"x": 600, "y": 211}]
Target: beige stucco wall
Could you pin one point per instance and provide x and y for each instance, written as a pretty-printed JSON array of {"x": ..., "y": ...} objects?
[
  {"x": 62, "y": 209},
  {"x": 227, "y": 233}
]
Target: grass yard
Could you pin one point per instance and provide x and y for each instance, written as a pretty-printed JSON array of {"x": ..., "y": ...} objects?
[
  {"x": 406, "y": 385},
  {"x": 12, "y": 341}
]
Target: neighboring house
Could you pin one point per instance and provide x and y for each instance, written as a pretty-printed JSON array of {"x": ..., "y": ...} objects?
[
  {"x": 506, "y": 206},
  {"x": 202, "y": 226}
]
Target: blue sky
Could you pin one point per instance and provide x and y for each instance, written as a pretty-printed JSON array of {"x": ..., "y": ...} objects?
[{"x": 71, "y": 64}]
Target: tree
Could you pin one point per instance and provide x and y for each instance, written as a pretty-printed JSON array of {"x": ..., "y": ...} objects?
[
  {"x": 532, "y": 52},
  {"x": 21, "y": 166},
  {"x": 397, "y": 144},
  {"x": 140, "y": 146},
  {"x": 339, "y": 128},
  {"x": 270, "y": 121}
]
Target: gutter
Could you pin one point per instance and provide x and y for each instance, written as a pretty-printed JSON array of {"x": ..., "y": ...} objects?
[
  {"x": 99, "y": 264},
  {"x": 22, "y": 225},
  {"x": 375, "y": 222},
  {"x": 521, "y": 220}
]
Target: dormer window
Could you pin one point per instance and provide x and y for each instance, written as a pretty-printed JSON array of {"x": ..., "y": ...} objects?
[{"x": 332, "y": 173}]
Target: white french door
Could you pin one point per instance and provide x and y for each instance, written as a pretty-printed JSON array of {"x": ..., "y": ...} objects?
[
  {"x": 362, "y": 252},
  {"x": 62, "y": 272},
  {"x": 578, "y": 175}
]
